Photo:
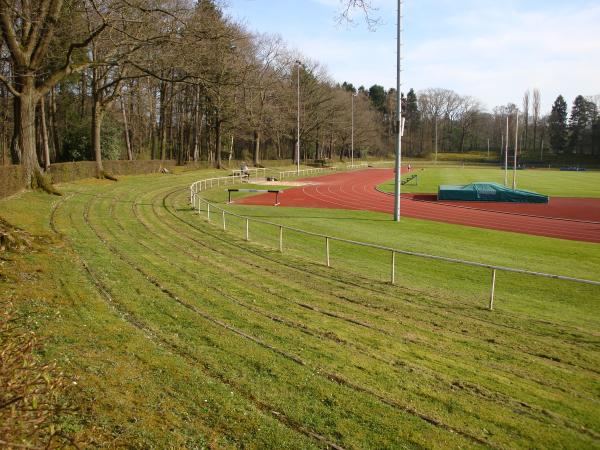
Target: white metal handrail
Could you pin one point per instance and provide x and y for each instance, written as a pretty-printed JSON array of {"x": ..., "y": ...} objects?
[
  {"x": 201, "y": 185},
  {"x": 357, "y": 166},
  {"x": 256, "y": 171},
  {"x": 305, "y": 172}
]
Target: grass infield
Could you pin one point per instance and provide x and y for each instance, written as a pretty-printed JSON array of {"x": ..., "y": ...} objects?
[{"x": 544, "y": 181}]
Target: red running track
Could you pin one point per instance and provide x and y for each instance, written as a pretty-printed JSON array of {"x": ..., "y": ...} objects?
[{"x": 576, "y": 219}]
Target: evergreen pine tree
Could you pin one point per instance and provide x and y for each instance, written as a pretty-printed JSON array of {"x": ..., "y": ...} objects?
[
  {"x": 411, "y": 112},
  {"x": 583, "y": 115},
  {"x": 377, "y": 97},
  {"x": 557, "y": 125},
  {"x": 412, "y": 107}
]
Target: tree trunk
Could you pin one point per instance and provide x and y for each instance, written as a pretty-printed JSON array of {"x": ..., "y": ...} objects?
[
  {"x": 163, "y": 121},
  {"x": 127, "y": 139},
  {"x": 97, "y": 117},
  {"x": 462, "y": 140},
  {"x": 256, "y": 149},
  {"x": 25, "y": 125},
  {"x": 53, "y": 126},
  {"x": 197, "y": 125},
  {"x": 45, "y": 145},
  {"x": 197, "y": 136},
  {"x": 84, "y": 90},
  {"x": 15, "y": 141},
  {"x": 218, "y": 143},
  {"x": 534, "y": 136}
]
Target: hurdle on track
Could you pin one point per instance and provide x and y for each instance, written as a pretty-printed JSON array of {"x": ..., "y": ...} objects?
[{"x": 271, "y": 191}]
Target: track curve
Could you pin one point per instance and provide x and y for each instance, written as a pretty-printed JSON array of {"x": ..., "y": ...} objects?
[{"x": 575, "y": 219}]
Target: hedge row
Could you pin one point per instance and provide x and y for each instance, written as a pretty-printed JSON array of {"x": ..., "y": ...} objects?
[
  {"x": 12, "y": 178},
  {"x": 66, "y": 172}
]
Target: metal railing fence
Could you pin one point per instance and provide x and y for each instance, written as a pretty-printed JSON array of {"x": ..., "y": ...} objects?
[
  {"x": 196, "y": 201},
  {"x": 249, "y": 172},
  {"x": 305, "y": 172}
]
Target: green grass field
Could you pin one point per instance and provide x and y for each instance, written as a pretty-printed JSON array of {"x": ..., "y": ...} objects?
[
  {"x": 544, "y": 181},
  {"x": 183, "y": 335}
]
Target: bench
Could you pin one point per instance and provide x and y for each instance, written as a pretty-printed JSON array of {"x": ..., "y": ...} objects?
[{"x": 271, "y": 191}]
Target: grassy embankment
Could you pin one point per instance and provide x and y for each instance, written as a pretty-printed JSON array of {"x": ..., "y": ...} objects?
[{"x": 183, "y": 335}]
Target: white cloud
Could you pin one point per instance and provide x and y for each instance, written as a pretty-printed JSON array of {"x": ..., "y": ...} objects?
[
  {"x": 555, "y": 51},
  {"x": 493, "y": 53}
]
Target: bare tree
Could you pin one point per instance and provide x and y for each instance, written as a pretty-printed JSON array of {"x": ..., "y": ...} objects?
[
  {"x": 535, "y": 111},
  {"x": 525, "y": 120},
  {"x": 28, "y": 29},
  {"x": 31, "y": 30},
  {"x": 468, "y": 111},
  {"x": 260, "y": 90}
]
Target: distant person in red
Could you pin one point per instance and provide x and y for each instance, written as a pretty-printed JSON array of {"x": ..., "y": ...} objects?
[{"x": 409, "y": 167}]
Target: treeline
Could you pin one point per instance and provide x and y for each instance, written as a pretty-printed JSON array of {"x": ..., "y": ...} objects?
[
  {"x": 163, "y": 79},
  {"x": 441, "y": 120},
  {"x": 177, "y": 79}
]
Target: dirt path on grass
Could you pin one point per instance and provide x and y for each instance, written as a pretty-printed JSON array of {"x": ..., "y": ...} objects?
[{"x": 565, "y": 218}]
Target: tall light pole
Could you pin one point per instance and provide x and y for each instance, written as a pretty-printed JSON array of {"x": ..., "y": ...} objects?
[
  {"x": 436, "y": 139},
  {"x": 516, "y": 149},
  {"x": 298, "y": 64},
  {"x": 354, "y": 94},
  {"x": 506, "y": 156},
  {"x": 398, "y": 163}
]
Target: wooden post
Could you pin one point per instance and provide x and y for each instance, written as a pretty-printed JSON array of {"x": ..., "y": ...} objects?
[
  {"x": 281, "y": 239},
  {"x": 247, "y": 229},
  {"x": 208, "y": 211},
  {"x": 393, "y": 267},
  {"x": 493, "y": 289},
  {"x": 327, "y": 251},
  {"x": 224, "y": 226}
]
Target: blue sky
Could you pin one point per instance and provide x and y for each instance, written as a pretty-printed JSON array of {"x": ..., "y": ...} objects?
[{"x": 493, "y": 50}]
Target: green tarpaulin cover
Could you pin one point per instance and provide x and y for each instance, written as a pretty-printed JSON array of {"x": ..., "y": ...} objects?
[{"x": 489, "y": 192}]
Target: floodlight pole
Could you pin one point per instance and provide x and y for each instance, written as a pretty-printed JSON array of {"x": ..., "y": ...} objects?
[
  {"x": 506, "y": 156},
  {"x": 436, "y": 138},
  {"x": 298, "y": 63},
  {"x": 398, "y": 163},
  {"x": 515, "y": 158},
  {"x": 352, "y": 138}
]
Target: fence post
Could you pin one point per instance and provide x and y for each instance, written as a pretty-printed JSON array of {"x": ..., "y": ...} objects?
[
  {"x": 393, "y": 267},
  {"x": 493, "y": 289},
  {"x": 224, "y": 226},
  {"x": 199, "y": 204},
  {"x": 281, "y": 239},
  {"x": 247, "y": 229},
  {"x": 327, "y": 251},
  {"x": 208, "y": 211}
]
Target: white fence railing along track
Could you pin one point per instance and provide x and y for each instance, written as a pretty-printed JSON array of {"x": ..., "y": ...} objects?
[{"x": 196, "y": 201}]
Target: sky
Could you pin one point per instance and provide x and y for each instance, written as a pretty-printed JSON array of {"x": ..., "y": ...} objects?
[{"x": 492, "y": 50}]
